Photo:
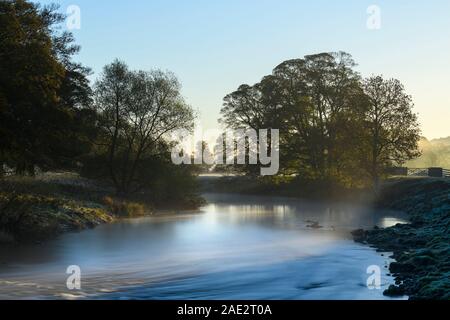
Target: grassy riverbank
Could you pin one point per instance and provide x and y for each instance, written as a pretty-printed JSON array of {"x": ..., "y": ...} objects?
[
  {"x": 36, "y": 209},
  {"x": 422, "y": 247}
]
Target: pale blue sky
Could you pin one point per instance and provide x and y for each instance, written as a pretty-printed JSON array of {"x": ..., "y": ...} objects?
[{"x": 215, "y": 45}]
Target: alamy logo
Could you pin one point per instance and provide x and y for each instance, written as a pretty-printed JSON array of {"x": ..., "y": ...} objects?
[
  {"x": 374, "y": 19},
  {"x": 73, "y": 21},
  {"x": 232, "y": 147},
  {"x": 374, "y": 280},
  {"x": 74, "y": 280}
]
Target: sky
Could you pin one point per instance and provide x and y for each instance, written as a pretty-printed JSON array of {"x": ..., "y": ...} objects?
[{"x": 213, "y": 46}]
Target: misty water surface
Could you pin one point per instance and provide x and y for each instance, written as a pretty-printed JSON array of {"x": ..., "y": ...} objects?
[{"x": 236, "y": 247}]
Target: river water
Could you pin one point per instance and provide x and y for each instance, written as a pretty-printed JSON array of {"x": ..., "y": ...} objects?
[{"x": 236, "y": 247}]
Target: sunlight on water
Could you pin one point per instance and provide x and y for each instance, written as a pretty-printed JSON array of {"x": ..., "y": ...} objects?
[{"x": 236, "y": 248}]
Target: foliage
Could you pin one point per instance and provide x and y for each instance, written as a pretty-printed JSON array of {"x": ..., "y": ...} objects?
[
  {"x": 435, "y": 153},
  {"x": 123, "y": 208},
  {"x": 333, "y": 124},
  {"x": 51, "y": 119},
  {"x": 41, "y": 89},
  {"x": 137, "y": 110}
]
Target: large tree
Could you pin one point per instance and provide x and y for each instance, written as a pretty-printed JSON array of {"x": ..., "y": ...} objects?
[
  {"x": 333, "y": 125},
  {"x": 391, "y": 130},
  {"x": 137, "y": 110},
  {"x": 308, "y": 100},
  {"x": 41, "y": 89},
  {"x": 317, "y": 94}
]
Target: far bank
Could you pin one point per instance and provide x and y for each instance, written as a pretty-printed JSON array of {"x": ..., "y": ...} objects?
[{"x": 35, "y": 209}]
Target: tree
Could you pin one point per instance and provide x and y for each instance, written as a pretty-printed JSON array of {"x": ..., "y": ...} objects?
[
  {"x": 393, "y": 132},
  {"x": 41, "y": 89},
  {"x": 137, "y": 110},
  {"x": 309, "y": 101},
  {"x": 333, "y": 125},
  {"x": 316, "y": 94}
]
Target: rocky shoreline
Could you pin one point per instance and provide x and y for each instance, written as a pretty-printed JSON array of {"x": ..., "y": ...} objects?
[{"x": 421, "y": 249}]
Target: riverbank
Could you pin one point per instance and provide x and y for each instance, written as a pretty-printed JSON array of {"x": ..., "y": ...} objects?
[
  {"x": 287, "y": 186},
  {"x": 43, "y": 207},
  {"x": 421, "y": 248}
]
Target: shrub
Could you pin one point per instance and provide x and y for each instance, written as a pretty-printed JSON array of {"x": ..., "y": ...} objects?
[{"x": 123, "y": 208}]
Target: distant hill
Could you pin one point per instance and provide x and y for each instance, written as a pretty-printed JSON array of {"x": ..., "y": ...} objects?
[{"x": 436, "y": 153}]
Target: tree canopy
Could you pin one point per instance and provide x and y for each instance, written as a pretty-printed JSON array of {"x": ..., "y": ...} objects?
[
  {"x": 333, "y": 123},
  {"x": 42, "y": 91},
  {"x": 137, "y": 110}
]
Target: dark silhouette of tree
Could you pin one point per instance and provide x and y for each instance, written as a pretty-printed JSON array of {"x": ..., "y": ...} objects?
[
  {"x": 392, "y": 131},
  {"x": 327, "y": 116},
  {"x": 137, "y": 110},
  {"x": 41, "y": 90}
]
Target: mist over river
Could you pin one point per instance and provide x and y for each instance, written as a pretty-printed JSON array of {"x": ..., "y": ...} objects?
[{"x": 236, "y": 247}]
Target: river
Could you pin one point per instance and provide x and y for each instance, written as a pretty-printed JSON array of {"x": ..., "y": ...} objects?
[{"x": 236, "y": 247}]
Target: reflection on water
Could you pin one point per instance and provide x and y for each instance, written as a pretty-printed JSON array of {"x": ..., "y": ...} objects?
[{"x": 236, "y": 248}]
